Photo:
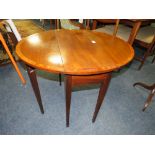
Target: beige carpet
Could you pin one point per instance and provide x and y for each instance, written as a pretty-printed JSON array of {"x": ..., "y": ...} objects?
[{"x": 25, "y": 28}]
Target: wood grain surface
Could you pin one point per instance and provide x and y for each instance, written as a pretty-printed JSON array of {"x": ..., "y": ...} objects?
[{"x": 74, "y": 52}]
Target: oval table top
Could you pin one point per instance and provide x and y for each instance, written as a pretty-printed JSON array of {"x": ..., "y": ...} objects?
[{"x": 74, "y": 52}]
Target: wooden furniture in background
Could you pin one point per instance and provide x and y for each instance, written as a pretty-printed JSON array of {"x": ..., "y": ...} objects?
[
  {"x": 44, "y": 21},
  {"x": 71, "y": 24},
  {"x": 153, "y": 60},
  {"x": 148, "y": 50},
  {"x": 143, "y": 34},
  {"x": 135, "y": 24},
  {"x": 145, "y": 39},
  {"x": 152, "y": 93},
  {"x": 106, "y": 21},
  {"x": 83, "y": 56},
  {"x": 12, "y": 33},
  {"x": 12, "y": 59}
]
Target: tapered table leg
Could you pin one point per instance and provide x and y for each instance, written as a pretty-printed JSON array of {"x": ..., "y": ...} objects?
[
  {"x": 60, "y": 79},
  {"x": 34, "y": 83},
  {"x": 68, "y": 91},
  {"x": 102, "y": 92},
  {"x": 71, "y": 81}
]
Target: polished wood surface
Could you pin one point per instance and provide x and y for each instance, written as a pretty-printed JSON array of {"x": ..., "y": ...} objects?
[{"x": 76, "y": 52}]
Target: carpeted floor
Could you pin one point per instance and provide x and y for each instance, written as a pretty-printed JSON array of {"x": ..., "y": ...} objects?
[
  {"x": 27, "y": 27},
  {"x": 120, "y": 114}
]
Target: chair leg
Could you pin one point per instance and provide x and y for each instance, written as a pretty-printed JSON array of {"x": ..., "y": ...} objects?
[
  {"x": 12, "y": 60},
  {"x": 134, "y": 32},
  {"x": 149, "y": 99},
  {"x": 51, "y": 24},
  {"x": 140, "y": 66},
  {"x": 148, "y": 52},
  {"x": 94, "y": 24},
  {"x": 102, "y": 92},
  {"x": 153, "y": 59},
  {"x": 152, "y": 88},
  {"x": 144, "y": 59},
  {"x": 57, "y": 24}
]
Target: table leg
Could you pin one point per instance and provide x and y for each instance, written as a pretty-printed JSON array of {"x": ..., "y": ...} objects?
[
  {"x": 68, "y": 91},
  {"x": 60, "y": 79},
  {"x": 71, "y": 81},
  {"x": 34, "y": 83},
  {"x": 102, "y": 92}
]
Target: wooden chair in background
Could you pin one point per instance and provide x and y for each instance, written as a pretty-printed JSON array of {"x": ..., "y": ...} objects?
[
  {"x": 12, "y": 33},
  {"x": 12, "y": 59},
  {"x": 145, "y": 39},
  {"x": 116, "y": 28},
  {"x": 153, "y": 58},
  {"x": 140, "y": 32},
  {"x": 111, "y": 26}
]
